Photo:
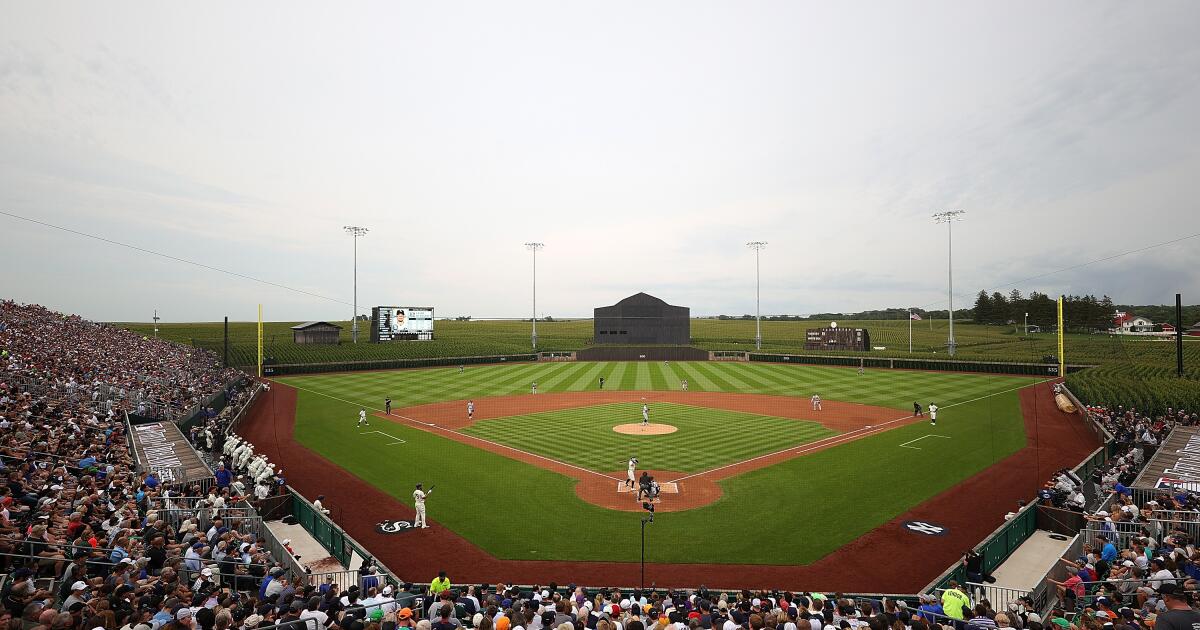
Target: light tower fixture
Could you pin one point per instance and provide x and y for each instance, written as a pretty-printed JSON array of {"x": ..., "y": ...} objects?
[
  {"x": 355, "y": 231},
  {"x": 534, "y": 246},
  {"x": 757, "y": 246},
  {"x": 949, "y": 217}
]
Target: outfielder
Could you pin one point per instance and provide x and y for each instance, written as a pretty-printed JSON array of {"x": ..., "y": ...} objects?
[
  {"x": 470, "y": 409},
  {"x": 631, "y": 473},
  {"x": 419, "y": 502},
  {"x": 933, "y": 414},
  {"x": 684, "y": 385},
  {"x": 362, "y": 418},
  {"x": 816, "y": 402},
  {"x": 533, "y": 388},
  {"x": 645, "y": 414}
]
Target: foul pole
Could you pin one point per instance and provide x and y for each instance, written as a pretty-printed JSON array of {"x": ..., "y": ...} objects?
[
  {"x": 260, "y": 339},
  {"x": 1062, "y": 361}
]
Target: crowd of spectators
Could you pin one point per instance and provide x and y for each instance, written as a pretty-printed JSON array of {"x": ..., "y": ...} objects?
[
  {"x": 86, "y": 541},
  {"x": 109, "y": 368}
]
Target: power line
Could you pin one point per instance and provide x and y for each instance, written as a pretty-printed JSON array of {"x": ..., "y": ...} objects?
[{"x": 174, "y": 258}]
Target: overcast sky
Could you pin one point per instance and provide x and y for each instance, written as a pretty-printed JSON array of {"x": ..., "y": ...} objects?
[{"x": 644, "y": 143}]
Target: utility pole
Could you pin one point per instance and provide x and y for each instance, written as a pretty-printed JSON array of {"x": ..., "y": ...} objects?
[
  {"x": 356, "y": 232},
  {"x": 910, "y": 331},
  {"x": 949, "y": 217},
  {"x": 155, "y": 318},
  {"x": 1026, "y": 324},
  {"x": 757, "y": 246},
  {"x": 1179, "y": 335},
  {"x": 534, "y": 246}
]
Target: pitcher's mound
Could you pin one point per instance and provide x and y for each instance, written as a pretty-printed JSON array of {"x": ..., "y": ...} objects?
[{"x": 637, "y": 428}]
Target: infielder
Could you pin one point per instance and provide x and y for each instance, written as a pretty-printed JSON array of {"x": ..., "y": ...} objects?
[
  {"x": 470, "y": 409},
  {"x": 816, "y": 402},
  {"x": 419, "y": 502},
  {"x": 631, "y": 473},
  {"x": 933, "y": 414},
  {"x": 362, "y": 418},
  {"x": 645, "y": 414}
]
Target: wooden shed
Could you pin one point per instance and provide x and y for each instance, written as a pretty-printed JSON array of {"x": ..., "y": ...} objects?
[{"x": 316, "y": 332}]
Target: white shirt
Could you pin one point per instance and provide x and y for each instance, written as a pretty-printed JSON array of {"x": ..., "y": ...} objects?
[
  {"x": 932, "y": 408},
  {"x": 321, "y": 617},
  {"x": 419, "y": 498},
  {"x": 470, "y": 407},
  {"x": 362, "y": 414}
]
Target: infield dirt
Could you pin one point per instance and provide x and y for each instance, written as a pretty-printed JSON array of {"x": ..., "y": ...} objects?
[{"x": 887, "y": 559}]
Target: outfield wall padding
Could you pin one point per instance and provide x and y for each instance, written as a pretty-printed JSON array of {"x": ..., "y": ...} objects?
[
  {"x": 648, "y": 353},
  {"x": 946, "y": 365}
]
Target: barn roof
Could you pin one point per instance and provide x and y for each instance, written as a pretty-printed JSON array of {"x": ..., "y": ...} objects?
[
  {"x": 307, "y": 325},
  {"x": 641, "y": 298}
]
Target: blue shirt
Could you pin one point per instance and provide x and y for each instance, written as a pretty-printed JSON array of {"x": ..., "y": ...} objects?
[
  {"x": 224, "y": 477},
  {"x": 1109, "y": 553}
]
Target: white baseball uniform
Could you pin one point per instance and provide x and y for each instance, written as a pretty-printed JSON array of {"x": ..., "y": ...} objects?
[
  {"x": 471, "y": 409},
  {"x": 419, "y": 503},
  {"x": 933, "y": 413},
  {"x": 816, "y": 402},
  {"x": 631, "y": 472},
  {"x": 362, "y": 417},
  {"x": 645, "y": 414}
]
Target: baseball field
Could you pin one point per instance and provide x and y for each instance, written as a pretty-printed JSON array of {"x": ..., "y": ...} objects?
[{"x": 752, "y": 475}]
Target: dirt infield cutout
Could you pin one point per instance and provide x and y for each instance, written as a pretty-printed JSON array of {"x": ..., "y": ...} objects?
[
  {"x": 637, "y": 428},
  {"x": 852, "y": 421}
]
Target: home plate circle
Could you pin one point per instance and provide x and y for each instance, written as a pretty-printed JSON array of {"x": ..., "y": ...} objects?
[{"x": 637, "y": 428}]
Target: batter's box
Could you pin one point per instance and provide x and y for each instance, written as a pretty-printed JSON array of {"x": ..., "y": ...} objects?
[{"x": 669, "y": 487}]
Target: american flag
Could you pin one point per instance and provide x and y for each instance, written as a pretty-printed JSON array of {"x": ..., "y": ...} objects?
[{"x": 914, "y": 316}]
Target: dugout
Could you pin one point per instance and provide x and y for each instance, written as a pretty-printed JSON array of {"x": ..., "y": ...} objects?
[
  {"x": 642, "y": 319},
  {"x": 316, "y": 332}
]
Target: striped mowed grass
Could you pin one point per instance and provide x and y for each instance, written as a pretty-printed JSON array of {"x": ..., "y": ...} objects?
[
  {"x": 706, "y": 438},
  {"x": 896, "y": 389}
]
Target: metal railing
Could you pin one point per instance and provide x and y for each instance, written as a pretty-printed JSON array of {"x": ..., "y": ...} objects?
[{"x": 333, "y": 538}]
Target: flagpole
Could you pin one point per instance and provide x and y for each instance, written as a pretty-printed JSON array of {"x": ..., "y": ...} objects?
[{"x": 910, "y": 331}]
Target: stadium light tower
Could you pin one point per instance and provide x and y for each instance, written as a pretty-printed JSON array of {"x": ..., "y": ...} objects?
[
  {"x": 534, "y": 247},
  {"x": 949, "y": 217},
  {"x": 356, "y": 232},
  {"x": 757, "y": 246}
]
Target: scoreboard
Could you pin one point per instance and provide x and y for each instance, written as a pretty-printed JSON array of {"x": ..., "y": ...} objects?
[
  {"x": 397, "y": 323},
  {"x": 834, "y": 338}
]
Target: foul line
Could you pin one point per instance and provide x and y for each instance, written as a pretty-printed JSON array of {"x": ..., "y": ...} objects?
[
  {"x": 398, "y": 440},
  {"x": 843, "y": 437},
  {"x": 917, "y": 448},
  {"x": 471, "y": 437}
]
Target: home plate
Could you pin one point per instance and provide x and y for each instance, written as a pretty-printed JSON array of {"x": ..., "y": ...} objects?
[{"x": 669, "y": 487}]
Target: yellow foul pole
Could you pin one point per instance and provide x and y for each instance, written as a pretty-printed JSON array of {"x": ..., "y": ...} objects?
[
  {"x": 260, "y": 337},
  {"x": 1062, "y": 361}
]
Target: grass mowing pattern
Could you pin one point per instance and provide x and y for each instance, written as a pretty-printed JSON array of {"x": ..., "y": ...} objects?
[
  {"x": 816, "y": 503},
  {"x": 706, "y": 438},
  {"x": 883, "y": 388}
]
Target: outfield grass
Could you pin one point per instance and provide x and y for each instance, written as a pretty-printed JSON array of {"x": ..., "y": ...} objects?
[
  {"x": 806, "y": 507},
  {"x": 483, "y": 338},
  {"x": 897, "y": 389},
  {"x": 706, "y": 438}
]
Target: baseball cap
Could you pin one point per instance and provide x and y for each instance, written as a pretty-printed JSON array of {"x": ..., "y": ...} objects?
[
  {"x": 377, "y": 614},
  {"x": 79, "y": 586},
  {"x": 183, "y": 613},
  {"x": 253, "y": 620},
  {"x": 405, "y": 613}
]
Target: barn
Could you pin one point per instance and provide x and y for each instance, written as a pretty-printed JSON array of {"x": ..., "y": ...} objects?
[
  {"x": 642, "y": 319},
  {"x": 316, "y": 332}
]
